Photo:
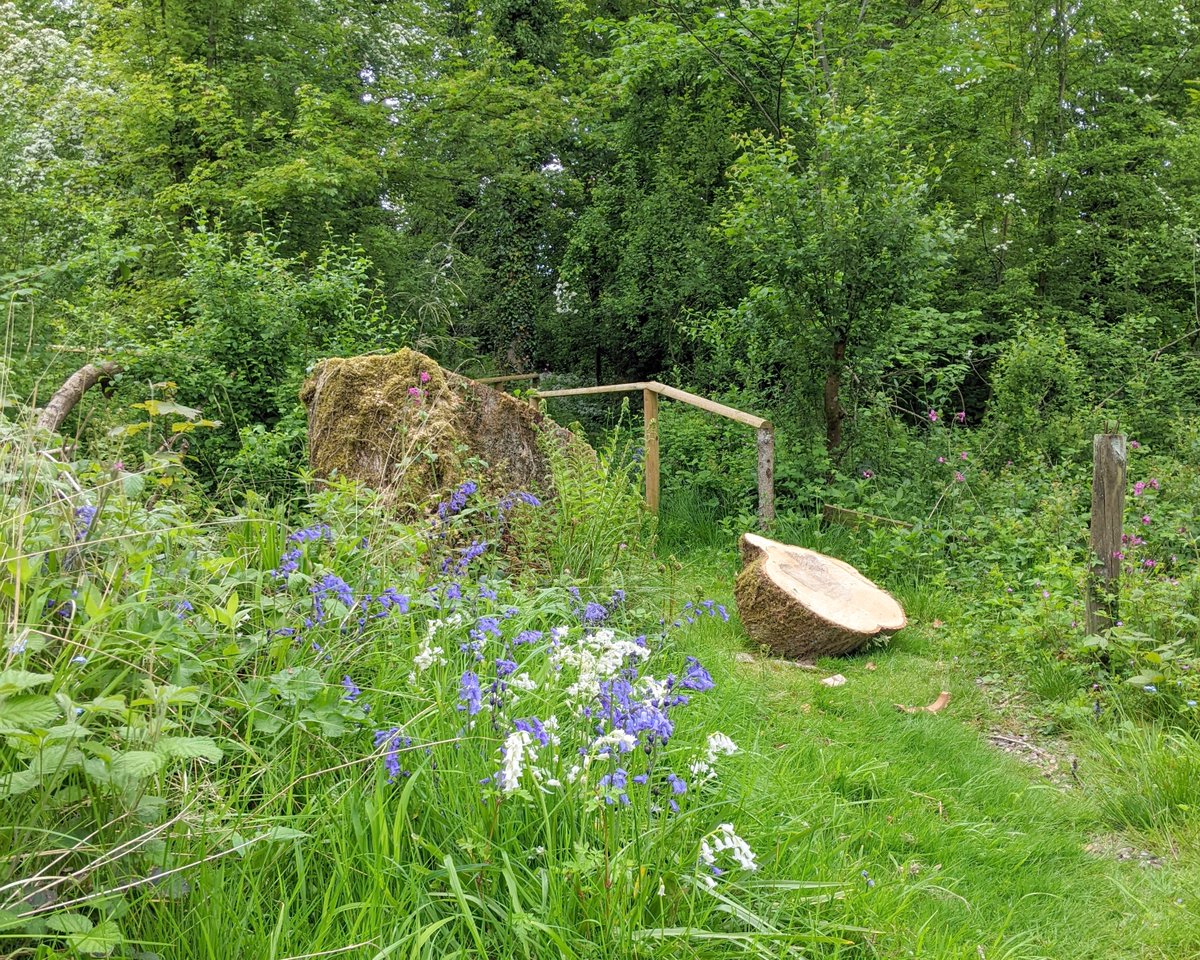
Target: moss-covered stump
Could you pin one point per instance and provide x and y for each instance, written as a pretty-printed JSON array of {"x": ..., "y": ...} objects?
[
  {"x": 804, "y": 604},
  {"x": 402, "y": 425}
]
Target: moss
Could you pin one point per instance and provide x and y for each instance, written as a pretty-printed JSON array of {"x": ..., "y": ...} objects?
[{"x": 365, "y": 424}]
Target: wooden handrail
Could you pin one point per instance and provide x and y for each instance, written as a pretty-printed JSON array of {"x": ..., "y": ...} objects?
[
  {"x": 581, "y": 391},
  {"x": 509, "y": 378},
  {"x": 651, "y": 391},
  {"x": 710, "y": 405}
]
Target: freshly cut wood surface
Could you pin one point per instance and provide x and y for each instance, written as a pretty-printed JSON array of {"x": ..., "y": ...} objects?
[{"x": 802, "y": 603}]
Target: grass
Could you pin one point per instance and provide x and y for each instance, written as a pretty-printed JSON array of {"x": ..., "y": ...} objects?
[
  {"x": 878, "y": 834},
  {"x": 972, "y": 852}
]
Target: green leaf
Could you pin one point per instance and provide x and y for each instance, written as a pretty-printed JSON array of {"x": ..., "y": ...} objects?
[
  {"x": 164, "y": 408},
  {"x": 69, "y": 923},
  {"x": 14, "y": 681},
  {"x": 279, "y": 835},
  {"x": 297, "y": 684},
  {"x": 10, "y": 920},
  {"x": 26, "y": 713},
  {"x": 100, "y": 941},
  {"x": 135, "y": 765},
  {"x": 14, "y": 784},
  {"x": 133, "y": 484},
  {"x": 190, "y": 748}
]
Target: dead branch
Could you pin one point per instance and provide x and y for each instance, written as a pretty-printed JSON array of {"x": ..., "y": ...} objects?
[{"x": 72, "y": 391}]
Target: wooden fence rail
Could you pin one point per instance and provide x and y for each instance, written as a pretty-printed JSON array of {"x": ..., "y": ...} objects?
[{"x": 651, "y": 391}]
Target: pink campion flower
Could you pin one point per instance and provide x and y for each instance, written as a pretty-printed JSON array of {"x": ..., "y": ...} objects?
[
  {"x": 867, "y": 474},
  {"x": 941, "y": 459},
  {"x": 415, "y": 392},
  {"x": 424, "y": 376},
  {"x": 1145, "y": 518},
  {"x": 1152, "y": 483},
  {"x": 1045, "y": 594},
  {"x": 1148, "y": 564},
  {"x": 961, "y": 416},
  {"x": 963, "y": 455},
  {"x": 1134, "y": 445},
  {"x": 959, "y": 478},
  {"x": 1139, "y": 488},
  {"x": 933, "y": 416},
  {"x": 1118, "y": 555}
]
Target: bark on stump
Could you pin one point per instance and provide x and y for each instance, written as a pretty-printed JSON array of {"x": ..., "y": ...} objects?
[{"x": 804, "y": 604}]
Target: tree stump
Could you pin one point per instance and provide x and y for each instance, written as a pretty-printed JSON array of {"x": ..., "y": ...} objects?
[{"x": 803, "y": 604}]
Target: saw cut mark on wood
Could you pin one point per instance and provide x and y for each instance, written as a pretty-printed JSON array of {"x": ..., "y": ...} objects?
[
  {"x": 802, "y": 604},
  {"x": 943, "y": 698}
]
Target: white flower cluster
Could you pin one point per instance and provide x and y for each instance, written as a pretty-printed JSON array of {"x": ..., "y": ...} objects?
[
  {"x": 597, "y": 657},
  {"x": 724, "y": 840},
  {"x": 521, "y": 752},
  {"x": 719, "y": 745}
]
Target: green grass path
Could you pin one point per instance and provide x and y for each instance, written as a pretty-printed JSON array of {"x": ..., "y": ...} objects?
[{"x": 945, "y": 845}]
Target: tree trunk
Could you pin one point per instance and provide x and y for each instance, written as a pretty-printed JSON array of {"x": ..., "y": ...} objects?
[
  {"x": 834, "y": 413},
  {"x": 71, "y": 392}
]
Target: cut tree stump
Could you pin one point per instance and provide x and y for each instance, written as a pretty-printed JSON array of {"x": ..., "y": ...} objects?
[{"x": 803, "y": 604}]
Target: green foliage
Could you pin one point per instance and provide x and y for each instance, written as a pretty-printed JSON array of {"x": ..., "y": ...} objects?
[{"x": 1037, "y": 390}]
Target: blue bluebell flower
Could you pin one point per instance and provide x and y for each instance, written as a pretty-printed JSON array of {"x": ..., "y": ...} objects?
[
  {"x": 84, "y": 516},
  {"x": 695, "y": 677},
  {"x": 470, "y": 693},
  {"x": 353, "y": 692},
  {"x": 535, "y": 728},
  {"x": 393, "y": 741}
]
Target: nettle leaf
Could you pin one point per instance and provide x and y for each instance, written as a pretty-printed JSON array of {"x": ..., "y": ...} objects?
[
  {"x": 133, "y": 484},
  {"x": 14, "y": 784},
  {"x": 69, "y": 923},
  {"x": 14, "y": 681},
  {"x": 10, "y": 920},
  {"x": 25, "y": 713},
  {"x": 134, "y": 765},
  {"x": 297, "y": 684},
  {"x": 190, "y": 748},
  {"x": 100, "y": 941}
]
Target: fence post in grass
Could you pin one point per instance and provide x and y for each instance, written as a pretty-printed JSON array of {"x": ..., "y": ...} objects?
[
  {"x": 650, "y": 460},
  {"x": 1108, "y": 515},
  {"x": 766, "y": 476}
]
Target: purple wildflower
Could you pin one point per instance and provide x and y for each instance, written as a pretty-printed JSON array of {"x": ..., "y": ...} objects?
[
  {"x": 695, "y": 677},
  {"x": 394, "y": 742},
  {"x": 352, "y": 690},
  {"x": 83, "y": 520},
  {"x": 470, "y": 694}
]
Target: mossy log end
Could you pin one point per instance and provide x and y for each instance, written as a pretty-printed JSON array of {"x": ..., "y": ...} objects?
[
  {"x": 804, "y": 604},
  {"x": 405, "y": 427}
]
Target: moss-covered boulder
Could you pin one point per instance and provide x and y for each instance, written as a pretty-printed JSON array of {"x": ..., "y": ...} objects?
[{"x": 402, "y": 425}]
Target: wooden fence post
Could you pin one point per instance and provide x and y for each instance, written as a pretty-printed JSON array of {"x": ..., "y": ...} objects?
[
  {"x": 766, "y": 476},
  {"x": 650, "y": 459},
  {"x": 1108, "y": 520}
]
